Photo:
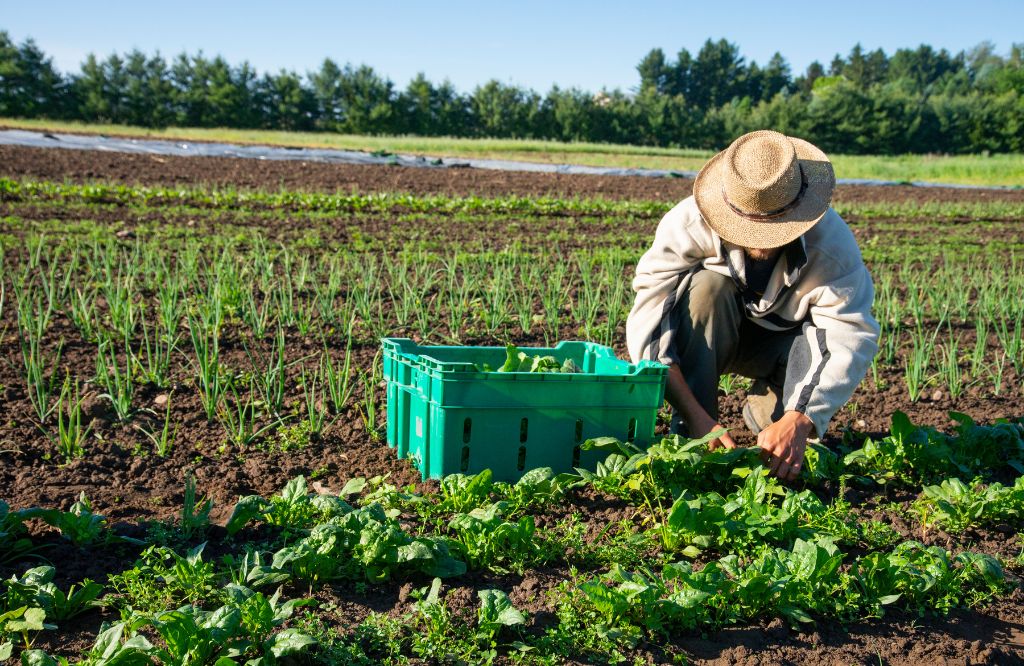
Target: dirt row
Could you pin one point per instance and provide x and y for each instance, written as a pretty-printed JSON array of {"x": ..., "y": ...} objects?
[{"x": 85, "y": 166}]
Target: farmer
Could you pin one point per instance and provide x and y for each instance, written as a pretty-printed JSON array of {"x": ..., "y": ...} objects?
[{"x": 756, "y": 274}]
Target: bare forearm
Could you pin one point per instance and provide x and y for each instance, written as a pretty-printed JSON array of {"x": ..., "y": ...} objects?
[
  {"x": 698, "y": 421},
  {"x": 679, "y": 395}
]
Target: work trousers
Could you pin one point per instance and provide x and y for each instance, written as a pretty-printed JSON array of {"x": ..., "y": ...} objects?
[{"x": 714, "y": 336}]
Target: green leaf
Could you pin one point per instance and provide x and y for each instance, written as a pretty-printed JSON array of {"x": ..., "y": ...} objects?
[
  {"x": 417, "y": 550},
  {"x": 177, "y": 628},
  {"x": 38, "y": 576},
  {"x": 445, "y": 566},
  {"x": 606, "y": 444},
  {"x": 246, "y": 509},
  {"x": 681, "y": 515},
  {"x": 295, "y": 491},
  {"x": 511, "y": 359},
  {"x": 31, "y": 620},
  {"x": 225, "y": 619},
  {"x": 901, "y": 425},
  {"x": 266, "y": 575},
  {"x": 289, "y": 642},
  {"x": 30, "y": 657},
  {"x": 796, "y": 614},
  {"x": 536, "y": 476},
  {"x": 497, "y": 609},
  {"x": 135, "y": 645},
  {"x": 435, "y": 590},
  {"x": 330, "y": 505},
  {"x": 353, "y": 487},
  {"x": 109, "y": 640},
  {"x": 5, "y": 651},
  {"x": 805, "y": 559}
]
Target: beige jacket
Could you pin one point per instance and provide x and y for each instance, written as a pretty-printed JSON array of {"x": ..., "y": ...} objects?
[{"x": 820, "y": 284}]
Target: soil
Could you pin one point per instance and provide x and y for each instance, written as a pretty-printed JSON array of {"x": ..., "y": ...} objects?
[
  {"x": 132, "y": 486},
  {"x": 85, "y": 166}
]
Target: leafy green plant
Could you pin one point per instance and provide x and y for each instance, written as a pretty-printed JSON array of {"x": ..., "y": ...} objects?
[
  {"x": 313, "y": 400},
  {"x": 364, "y": 544},
  {"x": 918, "y": 363},
  {"x": 40, "y": 373},
  {"x": 113, "y": 649},
  {"x": 368, "y": 410},
  {"x": 14, "y": 544},
  {"x": 949, "y": 368},
  {"x": 486, "y": 540},
  {"x": 206, "y": 345},
  {"x": 79, "y": 524},
  {"x": 461, "y": 492},
  {"x": 921, "y": 577},
  {"x": 519, "y": 361},
  {"x": 162, "y": 579},
  {"x": 194, "y": 636},
  {"x": 153, "y": 360},
  {"x": 270, "y": 373},
  {"x": 35, "y": 589},
  {"x": 82, "y": 311},
  {"x": 956, "y": 506},
  {"x": 438, "y": 634},
  {"x": 20, "y": 622},
  {"x": 338, "y": 379},
  {"x": 535, "y": 489},
  {"x": 251, "y": 569},
  {"x": 797, "y": 584},
  {"x": 262, "y": 618},
  {"x": 496, "y": 613},
  {"x": 294, "y": 509},
  {"x": 913, "y": 454}
]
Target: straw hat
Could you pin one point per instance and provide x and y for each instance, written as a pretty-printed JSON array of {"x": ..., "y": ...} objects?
[{"x": 765, "y": 190}]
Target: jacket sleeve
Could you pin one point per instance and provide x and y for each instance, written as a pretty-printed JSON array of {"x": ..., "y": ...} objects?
[
  {"x": 662, "y": 275},
  {"x": 836, "y": 348}
]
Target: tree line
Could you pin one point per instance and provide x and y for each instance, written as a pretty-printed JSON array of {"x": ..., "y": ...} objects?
[{"x": 867, "y": 102}]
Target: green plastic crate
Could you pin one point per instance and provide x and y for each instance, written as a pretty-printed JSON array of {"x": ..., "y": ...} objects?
[{"x": 450, "y": 417}]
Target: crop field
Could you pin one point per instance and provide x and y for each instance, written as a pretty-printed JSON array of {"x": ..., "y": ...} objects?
[
  {"x": 1005, "y": 170},
  {"x": 193, "y": 465}
]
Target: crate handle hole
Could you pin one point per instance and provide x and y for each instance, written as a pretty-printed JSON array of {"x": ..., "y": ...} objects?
[
  {"x": 579, "y": 431},
  {"x": 522, "y": 458},
  {"x": 467, "y": 429},
  {"x": 631, "y": 433},
  {"x": 576, "y": 456},
  {"x": 523, "y": 427},
  {"x": 464, "y": 464}
]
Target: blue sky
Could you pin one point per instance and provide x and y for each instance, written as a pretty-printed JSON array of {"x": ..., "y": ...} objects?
[{"x": 589, "y": 45}]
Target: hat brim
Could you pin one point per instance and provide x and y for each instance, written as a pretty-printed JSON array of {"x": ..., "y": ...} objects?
[{"x": 760, "y": 234}]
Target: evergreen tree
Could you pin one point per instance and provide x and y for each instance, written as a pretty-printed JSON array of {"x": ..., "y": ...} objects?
[
  {"x": 717, "y": 74},
  {"x": 653, "y": 72},
  {"x": 30, "y": 87},
  {"x": 920, "y": 99}
]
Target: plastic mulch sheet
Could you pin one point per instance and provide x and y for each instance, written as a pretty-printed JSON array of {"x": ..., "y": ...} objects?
[{"x": 203, "y": 149}]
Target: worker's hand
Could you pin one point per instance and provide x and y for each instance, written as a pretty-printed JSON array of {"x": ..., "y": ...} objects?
[
  {"x": 783, "y": 444},
  {"x": 698, "y": 421},
  {"x": 703, "y": 424}
]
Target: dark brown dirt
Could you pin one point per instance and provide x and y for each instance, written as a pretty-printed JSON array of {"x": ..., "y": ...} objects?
[
  {"x": 131, "y": 486},
  {"x": 86, "y": 166}
]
